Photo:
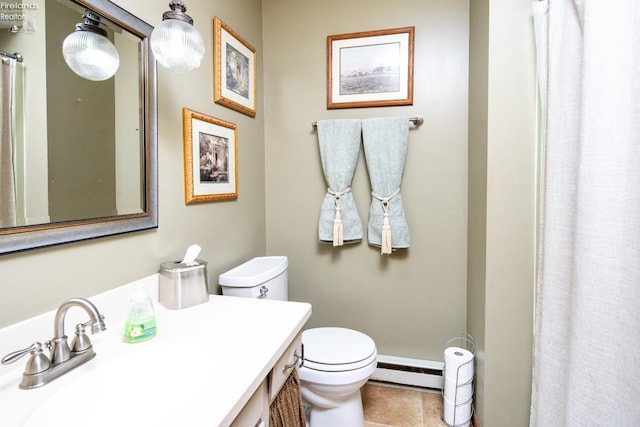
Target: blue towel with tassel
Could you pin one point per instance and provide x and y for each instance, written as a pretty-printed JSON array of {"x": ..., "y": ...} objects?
[
  {"x": 385, "y": 147},
  {"x": 339, "y": 142}
]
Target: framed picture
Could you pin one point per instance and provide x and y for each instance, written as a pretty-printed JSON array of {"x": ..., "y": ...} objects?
[
  {"x": 234, "y": 70},
  {"x": 210, "y": 158},
  {"x": 370, "y": 69}
]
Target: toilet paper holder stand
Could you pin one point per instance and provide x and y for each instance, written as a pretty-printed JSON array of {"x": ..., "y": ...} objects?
[{"x": 467, "y": 342}]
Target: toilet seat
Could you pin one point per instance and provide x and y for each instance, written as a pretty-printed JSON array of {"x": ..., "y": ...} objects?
[{"x": 337, "y": 349}]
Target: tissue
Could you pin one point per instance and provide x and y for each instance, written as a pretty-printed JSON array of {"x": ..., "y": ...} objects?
[{"x": 190, "y": 256}]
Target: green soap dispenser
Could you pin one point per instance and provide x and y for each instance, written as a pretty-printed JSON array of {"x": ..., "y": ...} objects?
[{"x": 141, "y": 323}]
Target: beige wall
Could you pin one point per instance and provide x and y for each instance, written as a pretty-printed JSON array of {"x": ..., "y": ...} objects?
[
  {"x": 413, "y": 301},
  {"x": 410, "y": 303},
  {"x": 511, "y": 189},
  {"x": 477, "y": 230},
  {"x": 229, "y": 232},
  {"x": 502, "y": 206}
]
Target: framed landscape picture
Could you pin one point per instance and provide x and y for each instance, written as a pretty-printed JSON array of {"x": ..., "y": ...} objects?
[
  {"x": 210, "y": 158},
  {"x": 234, "y": 70},
  {"x": 370, "y": 69}
]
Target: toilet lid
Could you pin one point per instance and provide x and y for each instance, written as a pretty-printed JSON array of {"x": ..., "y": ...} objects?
[{"x": 337, "y": 346}]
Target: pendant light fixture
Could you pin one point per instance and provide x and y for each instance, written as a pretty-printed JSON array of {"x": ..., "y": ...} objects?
[
  {"x": 88, "y": 51},
  {"x": 175, "y": 42}
]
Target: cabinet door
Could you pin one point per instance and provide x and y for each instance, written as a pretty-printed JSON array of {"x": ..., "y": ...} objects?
[
  {"x": 256, "y": 411},
  {"x": 291, "y": 358}
]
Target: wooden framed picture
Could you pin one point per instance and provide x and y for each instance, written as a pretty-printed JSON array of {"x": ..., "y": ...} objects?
[
  {"x": 370, "y": 69},
  {"x": 234, "y": 70},
  {"x": 210, "y": 158}
]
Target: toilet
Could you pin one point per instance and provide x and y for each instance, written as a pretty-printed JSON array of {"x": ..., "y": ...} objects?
[{"x": 337, "y": 361}]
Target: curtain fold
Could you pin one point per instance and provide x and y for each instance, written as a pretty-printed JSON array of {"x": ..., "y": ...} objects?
[
  {"x": 586, "y": 366},
  {"x": 7, "y": 173}
]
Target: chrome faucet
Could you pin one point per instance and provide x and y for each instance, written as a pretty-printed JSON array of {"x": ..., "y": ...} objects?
[
  {"x": 60, "y": 351},
  {"x": 40, "y": 370}
]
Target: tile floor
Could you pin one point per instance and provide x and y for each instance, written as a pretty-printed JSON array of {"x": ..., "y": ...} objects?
[{"x": 388, "y": 406}]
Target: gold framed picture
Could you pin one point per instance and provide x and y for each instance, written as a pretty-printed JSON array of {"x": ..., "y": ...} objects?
[
  {"x": 210, "y": 158},
  {"x": 234, "y": 70},
  {"x": 370, "y": 69}
]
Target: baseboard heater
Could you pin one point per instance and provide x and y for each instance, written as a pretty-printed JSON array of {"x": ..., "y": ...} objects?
[{"x": 410, "y": 372}]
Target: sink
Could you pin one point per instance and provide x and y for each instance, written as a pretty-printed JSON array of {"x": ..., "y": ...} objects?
[
  {"x": 153, "y": 385},
  {"x": 201, "y": 369}
]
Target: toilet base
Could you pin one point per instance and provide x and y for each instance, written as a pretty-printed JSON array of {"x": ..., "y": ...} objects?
[{"x": 348, "y": 413}]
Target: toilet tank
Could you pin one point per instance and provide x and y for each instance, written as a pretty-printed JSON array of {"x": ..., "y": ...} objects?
[{"x": 260, "y": 277}]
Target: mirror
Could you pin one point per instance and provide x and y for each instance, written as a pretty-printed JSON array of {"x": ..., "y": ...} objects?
[{"x": 84, "y": 153}]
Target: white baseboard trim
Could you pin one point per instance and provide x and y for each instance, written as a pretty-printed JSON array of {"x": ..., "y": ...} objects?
[{"x": 410, "y": 372}]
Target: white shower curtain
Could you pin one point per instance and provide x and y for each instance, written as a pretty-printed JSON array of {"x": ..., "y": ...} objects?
[
  {"x": 7, "y": 174},
  {"x": 587, "y": 337}
]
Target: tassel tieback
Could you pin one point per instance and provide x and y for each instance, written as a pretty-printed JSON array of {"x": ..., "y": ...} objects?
[
  {"x": 338, "y": 239},
  {"x": 385, "y": 243}
]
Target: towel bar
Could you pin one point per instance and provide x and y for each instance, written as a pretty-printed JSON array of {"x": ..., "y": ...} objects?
[{"x": 417, "y": 122}]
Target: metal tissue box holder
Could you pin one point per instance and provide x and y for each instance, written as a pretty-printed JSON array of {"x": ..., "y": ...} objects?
[{"x": 183, "y": 285}]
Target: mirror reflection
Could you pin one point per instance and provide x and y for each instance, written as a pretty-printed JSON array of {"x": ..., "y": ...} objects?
[
  {"x": 70, "y": 149},
  {"x": 83, "y": 154}
]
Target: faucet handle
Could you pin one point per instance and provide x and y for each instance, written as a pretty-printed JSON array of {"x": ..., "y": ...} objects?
[
  {"x": 81, "y": 341},
  {"x": 37, "y": 363}
]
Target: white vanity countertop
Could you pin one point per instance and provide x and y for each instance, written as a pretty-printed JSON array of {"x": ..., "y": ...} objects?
[{"x": 201, "y": 368}]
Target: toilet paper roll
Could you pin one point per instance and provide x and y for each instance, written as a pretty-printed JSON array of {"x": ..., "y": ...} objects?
[
  {"x": 457, "y": 393},
  {"x": 458, "y": 365},
  {"x": 457, "y": 415}
]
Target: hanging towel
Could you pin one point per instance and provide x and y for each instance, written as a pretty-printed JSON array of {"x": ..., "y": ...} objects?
[
  {"x": 287, "y": 410},
  {"x": 339, "y": 142},
  {"x": 385, "y": 147}
]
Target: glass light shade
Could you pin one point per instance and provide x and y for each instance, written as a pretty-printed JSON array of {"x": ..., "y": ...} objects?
[
  {"x": 177, "y": 45},
  {"x": 90, "y": 55}
]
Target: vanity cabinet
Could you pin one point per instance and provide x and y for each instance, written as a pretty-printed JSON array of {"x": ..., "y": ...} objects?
[
  {"x": 291, "y": 358},
  {"x": 247, "y": 346},
  {"x": 256, "y": 412}
]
